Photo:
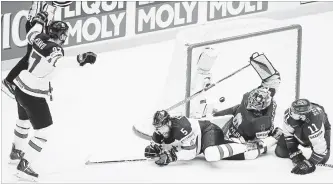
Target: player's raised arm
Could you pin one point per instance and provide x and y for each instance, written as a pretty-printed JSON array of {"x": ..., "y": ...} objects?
[
  {"x": 39, "y": 21},
  {"x": 228, "y": 111},
  {"x": 269, "y": 75}
]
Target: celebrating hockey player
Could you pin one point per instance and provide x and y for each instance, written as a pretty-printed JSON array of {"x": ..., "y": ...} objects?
[
  {"x": 253, "y": 117},
  {"x": 37, "y": 6},
  {"x": 305, "y": 124},
  {"x": 181, "y": 138},
  {"x": 32, "y": 89}
]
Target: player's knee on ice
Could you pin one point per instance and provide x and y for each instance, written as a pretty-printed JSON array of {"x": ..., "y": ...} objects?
[
  {"x": 212, "y": 154},
  {"x": 281, "y": 152},
  {"x": 251, "y": 155},
  {"x": 281, "y": 149}
]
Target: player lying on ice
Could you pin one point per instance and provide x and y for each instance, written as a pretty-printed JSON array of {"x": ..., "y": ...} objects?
[
  {"x": 305, "y": 124},
  {"x": 252, "y": 119},
  {"x": 181, "y": 138}
]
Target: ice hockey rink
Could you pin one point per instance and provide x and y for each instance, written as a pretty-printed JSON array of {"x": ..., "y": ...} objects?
[{"x": 95, "y": 107}]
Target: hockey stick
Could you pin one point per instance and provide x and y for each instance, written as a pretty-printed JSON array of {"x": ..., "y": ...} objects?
[
  {"x": 205, "y": 89},
  {"x": 116, "y": 161},
  {"x": 325, "y": 165},
  {"x": 148, "y": 137}
]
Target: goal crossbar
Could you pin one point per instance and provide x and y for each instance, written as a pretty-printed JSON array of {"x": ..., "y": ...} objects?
[{"x": 190, "y": 48}]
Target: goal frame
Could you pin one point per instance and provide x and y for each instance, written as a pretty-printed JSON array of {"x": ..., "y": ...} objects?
[{"x": 192, "y": 46}]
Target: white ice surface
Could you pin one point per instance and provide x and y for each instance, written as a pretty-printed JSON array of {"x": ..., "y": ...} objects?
[{"x": 95, "y": 116}]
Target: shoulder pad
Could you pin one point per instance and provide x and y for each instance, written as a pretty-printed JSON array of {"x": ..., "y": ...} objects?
[
  {"x": 43, "y": 36},
  {"x": 181, "y": 127}
]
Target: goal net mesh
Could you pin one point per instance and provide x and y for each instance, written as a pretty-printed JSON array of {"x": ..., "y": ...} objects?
[{"x": 235, "y": 43}]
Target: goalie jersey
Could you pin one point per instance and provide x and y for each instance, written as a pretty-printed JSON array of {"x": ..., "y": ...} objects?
[
  {"x": 185, "y": 137},
  {"x": 253, "y": 124}
]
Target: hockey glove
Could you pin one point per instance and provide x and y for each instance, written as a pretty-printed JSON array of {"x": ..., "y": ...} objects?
[
  {"x": 166, "y": 157},
  {"x": 277, "y": 132},
  {"x": 304, "y": 167},
  {"x": 88, "y": 57},
  {"x": 40, "y": 18},
  {"x": 297, "y": 157},
  {"x": 153, "y": 151}
]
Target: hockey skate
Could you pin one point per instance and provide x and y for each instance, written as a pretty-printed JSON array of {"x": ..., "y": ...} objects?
[
  {"x": 15, "y": 155},
  {"x": 8, "y": 88},
  {"x": 25, "y": 172}
]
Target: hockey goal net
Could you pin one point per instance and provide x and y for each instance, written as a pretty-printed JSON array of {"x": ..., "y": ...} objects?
[{"x": 235, "y": 43}]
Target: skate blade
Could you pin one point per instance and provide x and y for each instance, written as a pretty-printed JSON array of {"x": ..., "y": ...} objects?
[
  {"x": 13, "y": 162},
  {"x": 25, "y": 177},
  {"x": 10, "y": 95}
]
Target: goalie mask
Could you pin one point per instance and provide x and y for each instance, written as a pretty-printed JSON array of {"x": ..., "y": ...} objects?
[
  {"x": 299, "y": 108},
  {"x": 259, "y": 99}
]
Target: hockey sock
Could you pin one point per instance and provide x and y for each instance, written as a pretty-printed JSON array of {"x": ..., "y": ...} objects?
[
  {"x": 21, "y": 133},
  {"x": 216, "y": 153},
  {"x": 36, "y": 144}
]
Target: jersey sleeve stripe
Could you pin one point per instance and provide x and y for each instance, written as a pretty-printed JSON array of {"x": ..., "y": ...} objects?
[{"x": 189, "y": 147}]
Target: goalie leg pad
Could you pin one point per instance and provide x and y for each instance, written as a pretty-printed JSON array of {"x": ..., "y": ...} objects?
[{"x": 206, "y": 60}]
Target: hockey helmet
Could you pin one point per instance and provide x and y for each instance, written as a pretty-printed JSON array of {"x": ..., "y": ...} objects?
[
  {"x": 161, "y": 118},
  {"x": 58, "y": 30},
  {"x": 259, "y": 99},
  {"x": 301, "y": 106}
]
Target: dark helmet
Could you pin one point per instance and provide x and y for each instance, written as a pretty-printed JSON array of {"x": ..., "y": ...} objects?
[
  {"x": 301, "y": 106},
  {"x": 58, "y": 30},
  {"x": 161, "y": 118}
]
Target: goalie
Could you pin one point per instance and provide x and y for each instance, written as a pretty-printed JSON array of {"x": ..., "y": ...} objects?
[
  {"x": 253, "y": 118},
  {"x": 181, "y": 138}
]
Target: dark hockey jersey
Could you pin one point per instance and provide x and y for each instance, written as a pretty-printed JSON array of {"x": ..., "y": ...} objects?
[
  {"x": 42, "y": 62},
  {"x": 185, "y": 138},
  {"x": 250, "y": 124},
  {"x": 313, "y": 132}
]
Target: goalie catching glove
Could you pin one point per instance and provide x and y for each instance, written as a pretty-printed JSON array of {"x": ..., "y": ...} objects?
[
  {"x": 262, "y": 65},
  {"x": 88, "y": 57}
]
